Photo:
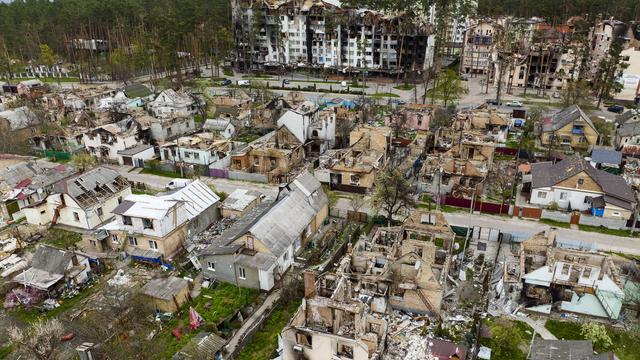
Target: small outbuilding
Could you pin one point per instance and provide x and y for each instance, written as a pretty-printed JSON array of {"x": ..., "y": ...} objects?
[{"x": 168, "y": 294}]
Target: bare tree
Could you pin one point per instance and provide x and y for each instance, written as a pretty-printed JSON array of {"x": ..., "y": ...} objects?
[
  {"x": 392, "y": 194},
  {"x": 39, "y": 340}
]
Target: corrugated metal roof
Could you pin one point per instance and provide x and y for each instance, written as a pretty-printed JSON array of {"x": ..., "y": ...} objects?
[
  {"x": 606, "y": 156},
  {"x": 197, "y": 197},
  {"x": 239, "y": 199},
  {"x": 145, "y": 206},
  {"x": 134, "y": 150},
  {"x": 560, "y": 349}
]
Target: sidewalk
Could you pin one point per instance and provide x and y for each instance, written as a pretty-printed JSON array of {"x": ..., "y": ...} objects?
[
  {"x": 255, "y": 320},
  {"x": 538, "y": 327}
]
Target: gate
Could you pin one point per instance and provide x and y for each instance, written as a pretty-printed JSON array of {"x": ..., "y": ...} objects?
[{"x": 575, "y": 218}]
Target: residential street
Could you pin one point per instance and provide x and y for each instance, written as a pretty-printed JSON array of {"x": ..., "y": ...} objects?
[{"x": 523, "y": 229}]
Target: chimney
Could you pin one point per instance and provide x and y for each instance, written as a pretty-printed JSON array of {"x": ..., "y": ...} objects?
[{"x": 310, "y": 278}]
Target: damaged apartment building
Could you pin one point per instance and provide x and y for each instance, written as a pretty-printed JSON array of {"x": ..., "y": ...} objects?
[
  {"x": 548, "y": 279},
  {"x": 345, "y": 313},
  {"x": 322, "y": 33}
]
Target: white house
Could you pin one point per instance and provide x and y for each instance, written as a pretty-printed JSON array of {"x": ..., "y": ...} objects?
[
  {"x": 104, "y": 142},
  {"x": 136, "y": 155},
  {"x": 82, "y": 201},
  {"x": 162, "y": 223},
  {"x": 307, "y": 123},
  {"x": 170, "y": 103},
  {"x": 574, "y": 184},
  {"x": 223, "y": 127},
  {"x": 199, "y": 149}
]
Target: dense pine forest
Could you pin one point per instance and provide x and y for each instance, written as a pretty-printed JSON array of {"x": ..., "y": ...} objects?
[
  {"x": 133, "y": 34},
  {"x": 559, "y": 11}
]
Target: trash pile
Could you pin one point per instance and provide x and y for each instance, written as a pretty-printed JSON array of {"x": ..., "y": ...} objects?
[
  {"x": 23, "y": 296},
  {"x": 205, "y": 238},
  {"x": 120, "y": 279}
]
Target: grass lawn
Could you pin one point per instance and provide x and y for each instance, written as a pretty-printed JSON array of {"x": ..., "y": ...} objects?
[
  {"x": 158, "y": 172},
  {"x": 256, "y": 76},
  {"x": 623, "y": 341},
  {"x": 508, "y": 352},
  {"x": 214, "y": 305},
  {"x": 264, "y": 342},
  {"x": 404, "y": 87},
  {"x": 384, "y": 95},
  {"x": 61, "y": 238},
  {"x": 555, "y": 223},
  {"x": 604, "y": 230}
]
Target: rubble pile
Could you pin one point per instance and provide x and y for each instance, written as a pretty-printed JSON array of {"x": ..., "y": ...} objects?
[{"x": 405, "y": 337}]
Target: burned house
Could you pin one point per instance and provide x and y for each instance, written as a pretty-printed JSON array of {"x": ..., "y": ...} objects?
[
  {"x": 314, "y": 128},
  {"x": 107, "y": 141},
  {"x": 346, "y": 314},
  {"x": 275, "y": 155},
  {"x": 574, "y": 281},
  {"x": 460, "y": 171},
  {"x": 333, "y": 322}
]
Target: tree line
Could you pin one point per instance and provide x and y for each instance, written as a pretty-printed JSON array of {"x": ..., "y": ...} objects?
[
  {"x": 559, "y": 11},
  {"x": 136, "y": 36}
]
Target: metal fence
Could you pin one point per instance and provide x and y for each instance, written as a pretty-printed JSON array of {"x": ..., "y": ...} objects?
[
  {"x": 556, "y": 216},
  {"x": 599, "y": 221}
]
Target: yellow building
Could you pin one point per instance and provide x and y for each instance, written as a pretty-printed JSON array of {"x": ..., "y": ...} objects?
[{"x": 571, "y": 128}]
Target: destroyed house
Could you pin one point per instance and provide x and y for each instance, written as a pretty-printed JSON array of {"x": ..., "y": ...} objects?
[
  {"x": 404, "y": 265},
  {"x": 82, "y": 201},
  {"x": 105, "y": 142},
  {"x": 52, "y": 268},
  {"x": 259, "y": 247},
  {"x": 315, "y": 129},
  {"x": 170, "y": 103},
  {"x": 274, "y": 155},
  {"x": 159, "y": 225},
  {"x": 556, "y": 279},
  {"x": 28, "y": 183},
  {"x": 333, "y": 322}
]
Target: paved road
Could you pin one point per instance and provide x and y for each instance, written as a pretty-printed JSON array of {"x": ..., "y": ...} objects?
[{"x": 523, "y": 229}]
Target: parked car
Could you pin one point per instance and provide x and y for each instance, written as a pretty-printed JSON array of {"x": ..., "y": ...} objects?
[
  {"x": 244, "y": 82},
  {"x": 555, "y": 95},
  {"x": 514, "y": 103},
  {"x": 618, "y": 109},
  {"x": 493, "y": 102},
  {"x": 464, "y": 77},
  {"x": 285, "y": 82},
  {"x": 177, "y": 184},
  {"x": 226, "y": 82}
]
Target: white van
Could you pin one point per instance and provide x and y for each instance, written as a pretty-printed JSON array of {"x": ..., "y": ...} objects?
[
  {"x": 177, "y": 184},
  {"x": 244, "y": 82}
]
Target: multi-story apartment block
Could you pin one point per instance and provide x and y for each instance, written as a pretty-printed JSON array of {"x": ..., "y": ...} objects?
[
  {"x": 321, "y": 33},
  {"x": 479, "y": 48}
]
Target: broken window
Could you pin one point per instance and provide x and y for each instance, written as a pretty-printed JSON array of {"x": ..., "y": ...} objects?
[
  {"x": 153, "y": 245},
  {"x": 133, "y": 241},
  {"x": 147, "y": 223},
  {"x": 565, "y": 269},
  {"x": 345, "y": 351},
  {"x": 100, "y": 211},
  {"x": 76, "y": 216},
  {"x": 126, "y": 220},
  {"x": 304, "y": 339},
  {"x": 586, "y": 273}
]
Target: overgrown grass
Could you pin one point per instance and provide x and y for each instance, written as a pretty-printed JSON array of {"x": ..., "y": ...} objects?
[
  {"x": 555, "y": 223},
  {"x": 604, "y": 230},
  {"x": 384, "y": 95},
  {"x": 31, "y": 315},
  {"x": 214, "y": 305},
  {"x": 523, "y": 331},
  {"x": 5, "y": 351},
  {"x": 263, "y": 344},
  {"x": 404, "y": 87},
  {"x": 164, "y": 173},
  {"x": 61, "y": 238},
  {"x": 624, "y": 343}
]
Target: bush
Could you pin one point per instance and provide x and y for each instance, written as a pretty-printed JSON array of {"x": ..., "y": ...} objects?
[
  {"x": 553, "y": 206},
  {"x": 597, "y": 333}
]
